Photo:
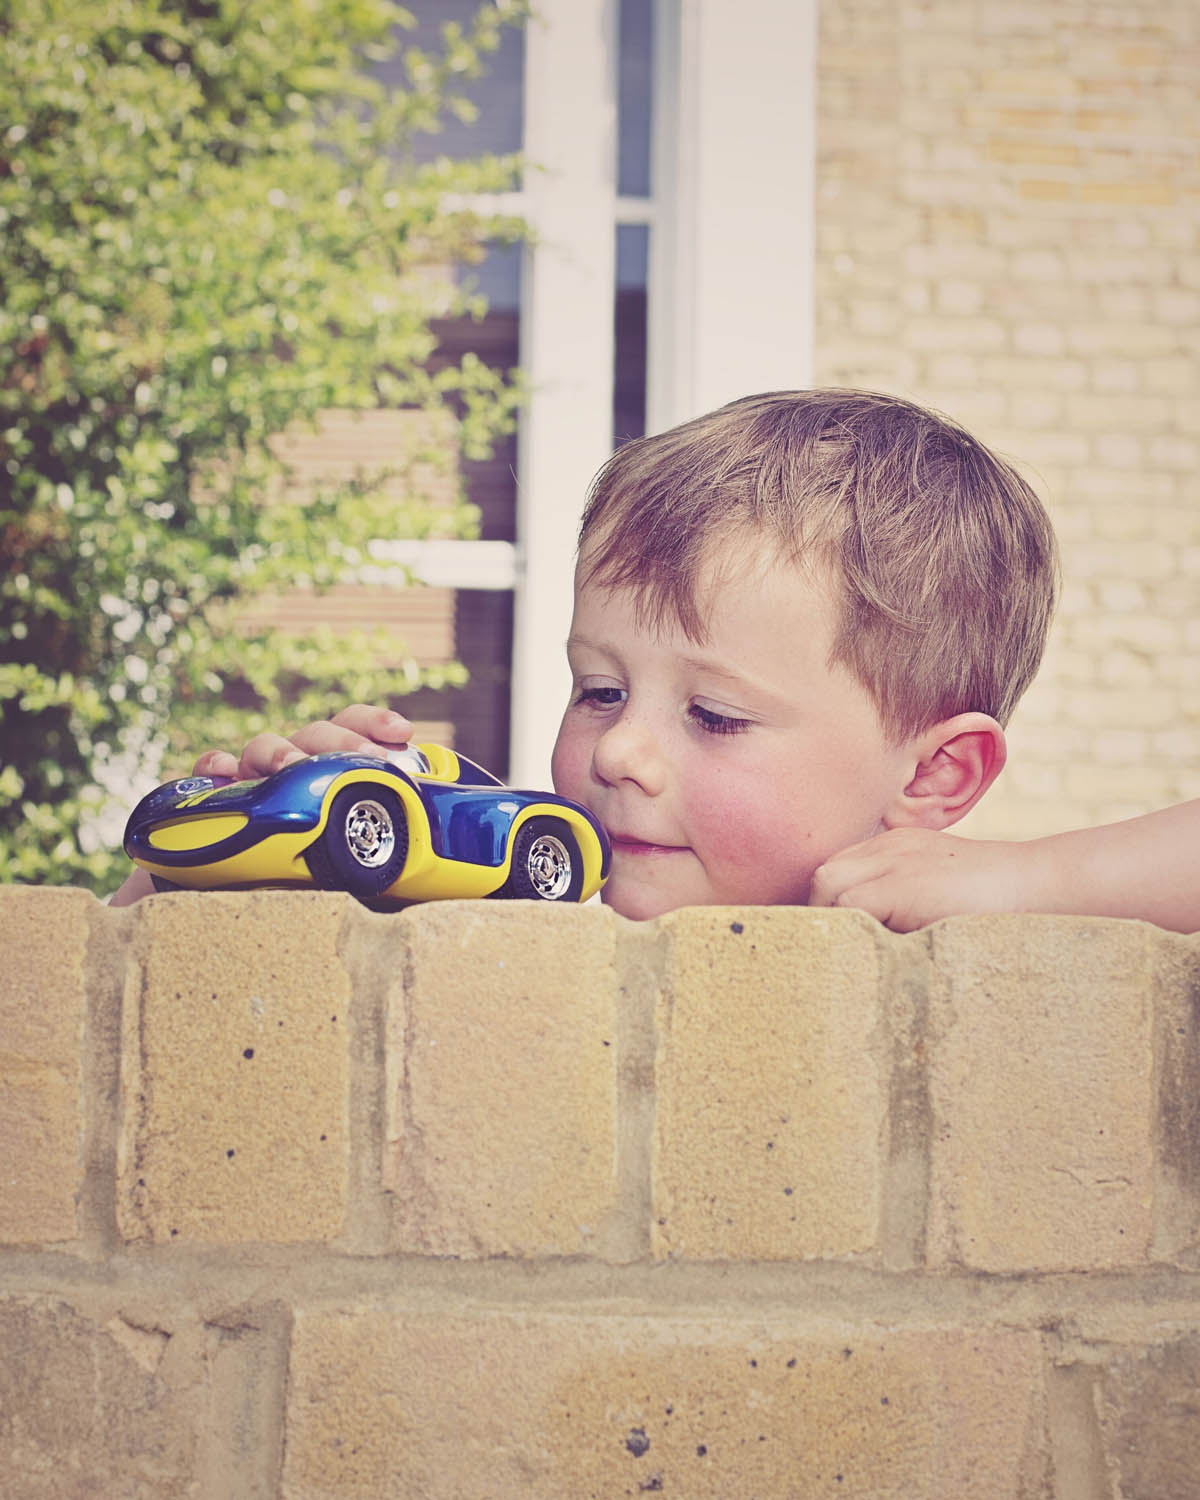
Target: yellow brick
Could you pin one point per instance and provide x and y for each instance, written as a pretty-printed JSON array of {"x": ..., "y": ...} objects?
[
  {"x": 383, "y": 1401},
  {"x": 770, "y": 1083},
  {"x": 87, "y": 1412},
  {"x": 1046, "y": 152},
  {"x": 501, "y": 1080},
  {"x": 43, "y": 937},
  {"x": 1046, "y": 83},
  {"x": 235, "y": 1069},
  {"x": 1142, "y": 55},
  {"x": 1108, "y": 121},
  {"x": 963, "y": 335},
  {"x": 990, "y": 117},
  {"x": 1045, "y": 190},
  {"x": 1041, "y": 1078},
  {"x": 1148, "y": 194},
  {"x": 860, "y": 60}
]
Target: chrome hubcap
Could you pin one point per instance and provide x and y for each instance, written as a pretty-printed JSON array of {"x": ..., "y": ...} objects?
[
  {"x": 549, "y": 867},
  {"x": 370, "y": 834}
]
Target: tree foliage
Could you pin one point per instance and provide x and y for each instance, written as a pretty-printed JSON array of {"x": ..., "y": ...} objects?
[{"x": 212, "y": 228}]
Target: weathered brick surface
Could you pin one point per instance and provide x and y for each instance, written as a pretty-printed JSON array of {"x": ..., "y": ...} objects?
[
  {"x": 1147, "y": 1409},
  {"x": 553, "y": 1307},
  {"x": 1041, "y": 1053},
  {"x": 515, "y": 1405},
  {"x": 235, "y": 1069},
  {"x": 43, "y": 939},
  {"x": 84, "y": 1410},
  {"x": 1176, "y": 999},
  {"x": 771, "y": 1085},
  {"x": 502, "y": 1055}
]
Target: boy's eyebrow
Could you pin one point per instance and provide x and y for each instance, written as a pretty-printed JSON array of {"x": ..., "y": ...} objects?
[
  {"x": 706, "y": 664},
  {"x": 574, "y": 639},
  {"x": 713, "y": 668},
  {"x": 695, "y": 662}
]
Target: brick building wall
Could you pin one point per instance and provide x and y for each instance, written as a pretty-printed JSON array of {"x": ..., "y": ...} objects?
[
  {"x": 1008, "y": 228},
  {"x": 499, "y": 1200}
]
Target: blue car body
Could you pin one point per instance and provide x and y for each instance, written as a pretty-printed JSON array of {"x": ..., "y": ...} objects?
[{"x": 460, "y": 829}]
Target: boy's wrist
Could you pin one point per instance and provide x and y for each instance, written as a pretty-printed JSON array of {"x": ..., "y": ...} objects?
[{"x": 1058, "y": 876}]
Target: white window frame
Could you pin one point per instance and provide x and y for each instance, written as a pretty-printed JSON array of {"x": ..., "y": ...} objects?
[{"x": 730, "y": 282}]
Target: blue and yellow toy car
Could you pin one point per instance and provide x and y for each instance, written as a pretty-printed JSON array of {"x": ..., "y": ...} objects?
[{"x": 426, "y": 825}]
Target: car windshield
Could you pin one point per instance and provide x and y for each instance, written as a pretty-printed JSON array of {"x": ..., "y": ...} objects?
[{"x": 410, "y": 759}]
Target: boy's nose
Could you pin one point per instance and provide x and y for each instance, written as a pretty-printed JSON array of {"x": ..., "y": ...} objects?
[{"x": 629, "y": 751}]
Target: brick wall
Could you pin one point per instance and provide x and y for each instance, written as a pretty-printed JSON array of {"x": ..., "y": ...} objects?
[
  {"x": 1009, "y": 229},
  {"x": 490, "y": 1200}
]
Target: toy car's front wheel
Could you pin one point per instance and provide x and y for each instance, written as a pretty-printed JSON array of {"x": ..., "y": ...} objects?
[
  {"x": 365, "y": 842},
  {"x": 546, "y": 863}
]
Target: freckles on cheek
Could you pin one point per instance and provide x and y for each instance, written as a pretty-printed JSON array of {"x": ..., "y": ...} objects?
[
  {"x": 747, "y": 833},
  {"x": 560, "y": 757}
]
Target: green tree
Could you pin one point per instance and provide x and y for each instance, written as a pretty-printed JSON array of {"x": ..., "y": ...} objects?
[{"x": 212, "y": 227}]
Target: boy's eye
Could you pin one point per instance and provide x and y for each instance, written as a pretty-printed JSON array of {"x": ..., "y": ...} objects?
[
  {"x": 715, "y": 723},
  {"x": 600, "y": 697}
]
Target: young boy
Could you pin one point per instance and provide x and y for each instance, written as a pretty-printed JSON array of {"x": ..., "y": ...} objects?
[{"x": 800, "y": 625}]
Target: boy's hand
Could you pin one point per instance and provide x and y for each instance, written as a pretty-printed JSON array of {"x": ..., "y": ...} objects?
[
  {"x": 362, "y": 727},
  {"x": 909, "y": 877}
]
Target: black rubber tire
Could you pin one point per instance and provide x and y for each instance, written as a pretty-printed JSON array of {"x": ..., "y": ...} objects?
[
  {"x": 342, "y": 859},
  {"x": 161, "y": 883},
  {"x": 546, "y": 863}
]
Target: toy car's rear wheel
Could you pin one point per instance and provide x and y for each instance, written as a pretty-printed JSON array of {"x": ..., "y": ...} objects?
[
  {"x": 365, "y": 842},
  {"x": 546, "y": 863}
]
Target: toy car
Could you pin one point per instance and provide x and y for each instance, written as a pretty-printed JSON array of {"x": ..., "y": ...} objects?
[{"x": 425, "y": 825}]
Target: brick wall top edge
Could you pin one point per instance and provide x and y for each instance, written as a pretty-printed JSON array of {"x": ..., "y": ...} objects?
[{"x": 31, "y": 901}]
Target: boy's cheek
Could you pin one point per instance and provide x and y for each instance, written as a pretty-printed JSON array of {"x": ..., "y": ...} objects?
[
  {"x": 564, "y": 764},
  {"x": 760, "y": 849}
]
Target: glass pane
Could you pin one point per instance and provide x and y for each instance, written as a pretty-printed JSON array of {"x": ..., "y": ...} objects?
[
  {"x": 497, "y": 277},
  {"x": 472, "y": 718},
  {"x": 635, "y": 57},
  {"x": 498, "y": 95},
  {"x": 629, "y": 359}
]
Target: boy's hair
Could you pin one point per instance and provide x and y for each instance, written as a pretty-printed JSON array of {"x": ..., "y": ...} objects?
[{"x": 944, "y": 556}]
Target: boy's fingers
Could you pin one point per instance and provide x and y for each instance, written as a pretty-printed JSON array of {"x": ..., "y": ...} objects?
[
  {"x": 267, "y": 753},
  {"x": 381, "y": 725},
  {"x": 838, "y": 875},
  {"x": 328, "y": 734},
  {"x": 362, "y": 727},
  {"x": 861, "y": 890},
  {"x": 216, "y": 763}
]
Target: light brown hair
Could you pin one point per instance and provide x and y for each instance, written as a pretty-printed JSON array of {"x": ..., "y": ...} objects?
[{"x": 944, "y": 557}]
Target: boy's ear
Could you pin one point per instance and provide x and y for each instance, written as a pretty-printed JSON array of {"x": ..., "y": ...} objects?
[{"x": 956, "y": 761}]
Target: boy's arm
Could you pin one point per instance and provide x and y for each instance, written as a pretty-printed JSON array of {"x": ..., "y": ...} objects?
[
  {"x": 1147, "y": 867},
  {"x": 360, "y": 727}
]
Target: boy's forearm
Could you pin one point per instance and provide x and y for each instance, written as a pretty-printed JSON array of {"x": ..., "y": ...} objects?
[
  {"x": 1146, "y": 867},
  {"x": 137, "y": 884}
]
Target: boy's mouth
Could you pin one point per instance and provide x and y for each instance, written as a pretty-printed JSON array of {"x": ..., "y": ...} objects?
[{"x": 625, "y": 844}]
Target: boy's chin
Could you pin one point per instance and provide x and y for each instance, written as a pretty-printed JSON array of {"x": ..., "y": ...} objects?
[{"x": 639, "y": 905}]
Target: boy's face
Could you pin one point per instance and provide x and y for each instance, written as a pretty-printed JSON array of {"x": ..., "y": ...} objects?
[{"x": 726, "y": 772}]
